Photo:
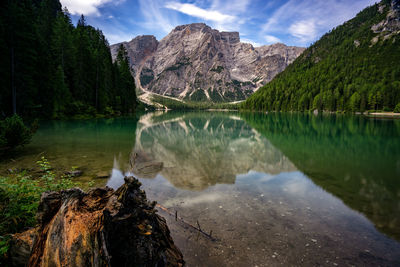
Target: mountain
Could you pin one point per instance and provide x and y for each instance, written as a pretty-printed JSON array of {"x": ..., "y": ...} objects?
[
  {"x": 195, "y": 62},
  {"x": 195, "y": 150},
  {"x": 354, "y": 67}
]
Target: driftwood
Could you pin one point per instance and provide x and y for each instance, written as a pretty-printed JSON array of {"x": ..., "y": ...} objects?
[
  {"x": 102, "y": 227},
  {"x": 198, "y": 228}
]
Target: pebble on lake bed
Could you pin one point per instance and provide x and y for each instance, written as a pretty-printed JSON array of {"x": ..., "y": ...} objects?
[{"x": 74, "y": 173}]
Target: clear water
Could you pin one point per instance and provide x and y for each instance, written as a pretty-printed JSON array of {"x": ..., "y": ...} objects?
[{"x": 274, "y": 189}]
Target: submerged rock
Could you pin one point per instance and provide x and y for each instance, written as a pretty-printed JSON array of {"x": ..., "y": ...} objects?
[
  {"x": 74, "y": 173},
  {"x": 103, "y": 174},
  {"x": 102, "y": 227}
]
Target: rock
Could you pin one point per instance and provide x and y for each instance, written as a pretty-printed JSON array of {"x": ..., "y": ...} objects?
[
  {"x": 74, "y": 173},
  {"x": 104, "y": 174},
  {"x": 102, "y": 227},
  {"x": 196, "y": 62},
  {"x": 390, "y": 26},
  {"x": 143, "y": 166}
]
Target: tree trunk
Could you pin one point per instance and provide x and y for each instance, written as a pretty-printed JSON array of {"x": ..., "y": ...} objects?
[
  {"x": 102, "y": 227},
  {"x": 13, "y": 88}
]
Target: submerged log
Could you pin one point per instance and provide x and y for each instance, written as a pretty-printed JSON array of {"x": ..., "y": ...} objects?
[{"x": 102, "y": 227}]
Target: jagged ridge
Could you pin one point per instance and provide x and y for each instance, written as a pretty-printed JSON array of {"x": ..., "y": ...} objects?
[{"x": 195, "y": 62}]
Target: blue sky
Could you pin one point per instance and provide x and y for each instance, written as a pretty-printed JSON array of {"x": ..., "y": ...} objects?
[{"x": 293, "y": 22}]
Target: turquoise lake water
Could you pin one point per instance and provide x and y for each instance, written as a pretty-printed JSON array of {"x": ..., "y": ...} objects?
[{"x": 274, "y": 189}]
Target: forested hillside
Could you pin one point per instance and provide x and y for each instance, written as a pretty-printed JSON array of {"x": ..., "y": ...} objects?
[
  {"x": 354, "y": 67},
  {"x": 50, "y": 68}
]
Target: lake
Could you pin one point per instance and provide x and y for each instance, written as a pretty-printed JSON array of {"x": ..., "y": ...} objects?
[{"x": 274, "y": 189}]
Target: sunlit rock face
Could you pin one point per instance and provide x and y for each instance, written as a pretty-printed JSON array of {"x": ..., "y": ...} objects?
[
  {"x": 195, "y": 151},
  {"x": 390, "y": 26},
  {"x": 198, "y": 63}
]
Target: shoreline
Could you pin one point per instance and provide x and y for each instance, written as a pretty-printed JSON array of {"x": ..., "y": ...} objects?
[{"x": 384, "y": 114}]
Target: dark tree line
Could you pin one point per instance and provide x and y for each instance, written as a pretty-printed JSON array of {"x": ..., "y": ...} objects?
[
  {"x": 345, "y": 70},
  {"x": 50, "y": 68}
]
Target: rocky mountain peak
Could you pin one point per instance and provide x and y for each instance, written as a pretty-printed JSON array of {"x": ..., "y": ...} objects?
[
  {"x": 139, "y": 48},
  {"x": 197, "y": 63},
  {"x": 390, "y": 26},
  {"x": 193, "y": 27}
]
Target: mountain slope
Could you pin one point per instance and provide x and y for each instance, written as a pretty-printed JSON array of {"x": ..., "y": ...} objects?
[
  {"x": 197, "y": 63},
  {"x": 354, "y": 67}
]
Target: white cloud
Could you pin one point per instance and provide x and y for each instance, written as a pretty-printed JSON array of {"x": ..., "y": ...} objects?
[
  {"x": 305, "y": 30},
  {"x": 86, "y": 7},
  {"x": 255, "y": 44},
  {"x": 117, "y": 36},
  {"x": 239, "y": 9},
  {"x": 306, "y": 20},
  {"x": 270, "y": 39},
  {"x": 161, "y": 15},
  {"x": 192, "y": 10},
  {"x": 154, "y": 15},
  {"x": 233, "y": 7}
]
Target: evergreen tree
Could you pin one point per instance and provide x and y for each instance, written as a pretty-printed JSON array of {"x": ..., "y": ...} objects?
[
  {"x": 126, "y": 93},
  {"x": 50, "y": 68},
  {"x": 20, "y": 56},
  {"x": 62, "y": 95}
]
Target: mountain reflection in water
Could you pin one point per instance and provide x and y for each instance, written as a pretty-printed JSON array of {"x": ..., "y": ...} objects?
[
  {"x": 354, "y": 158},
  {"x": 276, "y": 189},
  {"x": 194, "y": 152}
]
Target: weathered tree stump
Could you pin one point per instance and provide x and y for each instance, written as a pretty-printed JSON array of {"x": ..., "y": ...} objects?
[{"x": 102, "y": 227}]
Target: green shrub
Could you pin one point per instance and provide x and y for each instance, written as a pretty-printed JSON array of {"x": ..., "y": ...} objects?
[
  {"x": 198, "y": 96},
  {"x": 397, "y": 108},
  {"x": 108, "y": 111},
  {"x": 90, "y": 110},
  {"x": 13, "y": 133},
  {"x": 19, "y": 197},
  {"x": 188, "y": 105},
  {"x": 75, "y": 107}
]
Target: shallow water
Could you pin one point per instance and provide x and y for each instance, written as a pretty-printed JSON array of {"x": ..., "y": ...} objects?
[{"x": 274, "y": 189}]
